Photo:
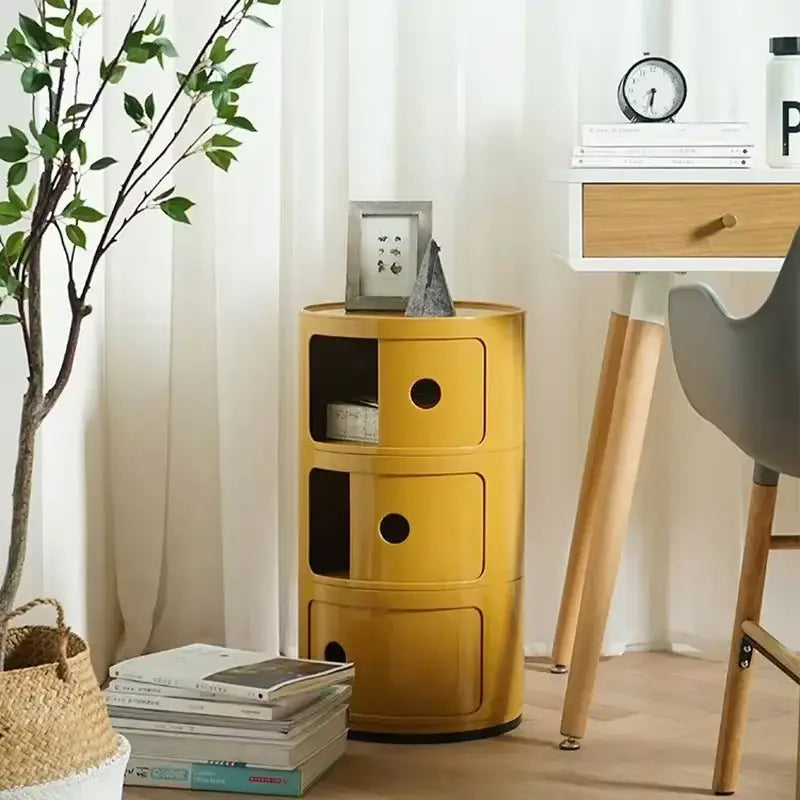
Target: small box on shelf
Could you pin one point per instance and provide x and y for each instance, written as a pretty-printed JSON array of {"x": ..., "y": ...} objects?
[{"x": 353, "y": 421}]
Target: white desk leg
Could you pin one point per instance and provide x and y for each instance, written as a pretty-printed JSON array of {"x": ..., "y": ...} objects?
[
  {"x": 617, "y": 471},
  {"x": 582, "y": 531}
]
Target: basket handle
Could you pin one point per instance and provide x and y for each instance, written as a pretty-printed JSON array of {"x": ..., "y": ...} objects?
[{"x": 63, "y": 631}]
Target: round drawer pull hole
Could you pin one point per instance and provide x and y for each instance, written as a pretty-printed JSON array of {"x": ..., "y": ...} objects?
[
  {"x": 426, "y": 393},
  {"x": 335, "y": 652},
  {"x": 394, "y": 528}
]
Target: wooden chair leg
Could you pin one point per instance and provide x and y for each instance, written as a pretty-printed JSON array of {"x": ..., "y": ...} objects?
[
  {"x": 618, "y": 472},
  {"x": 748, "y": 607},
  {"x": 797, "y": 767},
  {"x": 582, "y": 532}
]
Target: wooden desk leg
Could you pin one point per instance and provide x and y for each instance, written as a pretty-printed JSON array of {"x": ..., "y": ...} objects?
[
  {"x": 582, "y": 531},
  {"x": 619, "y": 466}
]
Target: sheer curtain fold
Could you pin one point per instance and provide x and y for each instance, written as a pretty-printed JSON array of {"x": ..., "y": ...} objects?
[{"x": 196, "y": 413}]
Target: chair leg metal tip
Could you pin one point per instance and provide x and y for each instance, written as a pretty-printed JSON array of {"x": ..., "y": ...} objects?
[
  {"x": 570, "y": 744},
  {"x": 726, "y": 793},
  {"x": 559, "y": 669}
]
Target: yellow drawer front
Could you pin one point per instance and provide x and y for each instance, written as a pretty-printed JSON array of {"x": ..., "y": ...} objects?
[
  {"x": 416, "y": 529},
  {"x": 408, "y": 663},
  {"x": 431, "y": 393}
]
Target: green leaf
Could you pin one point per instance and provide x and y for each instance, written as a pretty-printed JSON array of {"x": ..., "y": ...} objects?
[
  {"x": 160, "y": 25},
  {"x": 77, "y": 236},
  {"x": 31, "y": 198},
  {"x": 133, "y": 39},
  {"x": 270, "y": 2},
  {"x": 227, "y": 112},
  {"x": 166, "y": 47},
  {"x": 87, "y": 17},
  {"x": 16, "y": 200},
  {"x": 82, "y": 153},
  {"x": 239, "y": 77},
  {"x": 17, "y": 174},
  {"x": 12, "y": 149},
  {"x": 14, "y": 245},
  {"x": 18, "y": 134},
  {"x": 164, "y": 195},
  {"x": 150, "y": 106},
  {"x": 6, "y": 57},
  {"x": 219, "y": 52},
  {"x": 58, "y": 62},
  {"x": 86, "y": 214},
  {"x": 138, "y": 55},
  {"x": 9, "y": 319},
  {"x": 57, "y": 3},
  {"x": 221, "y": 97},
  {"x": 32, "y": 129},
  {"x": 76, "y": 110},
  {"x": 133, "y": 108},
  {"x": 103, "y": 163},
  {"x": 71, "y": 139},
  {"x": 48, "y": 147},
  {"x": 23, "y": 53},
  {"x": 176, "y": 208},
  {"x": 56, "y": 22},
  {"x": 35, "y": 34},
  {"x": 73, "y": 204},
  {"x": 262, "y": 22},
  {"x": 221, "y": 140},
  {"x": 34, "y": 81},
  {"x": 9, "y": 213},
  {"x": 221, "y": 158},
  {"x": 241, "y": 122},
  {"x": 50, "y": 130},
  {"x": 112, "y": 74}
]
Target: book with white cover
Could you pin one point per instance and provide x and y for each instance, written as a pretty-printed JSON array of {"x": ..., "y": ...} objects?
[
  {"x": 665, "y": 151},
  {"x": 238, "y": 778},
  {"x": 233, "y": 673},
  {"x": 190, "y": 706},
  {"x": 282, "y": 754},
  {"x": 606, "y": 162},
  {"x": 194, "y": 725},
  {"x": 666, "y": 133}
]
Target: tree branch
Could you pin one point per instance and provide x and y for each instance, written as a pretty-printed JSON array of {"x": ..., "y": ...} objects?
[
  {"x": 142, "y": 206},
  {"x": 110, "y": 66},
  {"x": 127, "y": 185}
]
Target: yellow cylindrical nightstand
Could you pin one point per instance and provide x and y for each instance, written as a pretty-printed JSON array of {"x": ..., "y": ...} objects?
[{"x": 412, "y": 539}]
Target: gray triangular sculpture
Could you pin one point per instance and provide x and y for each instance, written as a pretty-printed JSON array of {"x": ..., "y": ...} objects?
[{"x": 430, "y": 296}]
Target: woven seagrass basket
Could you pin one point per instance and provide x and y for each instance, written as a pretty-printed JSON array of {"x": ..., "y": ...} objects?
[{"x": 53, "y": 717}]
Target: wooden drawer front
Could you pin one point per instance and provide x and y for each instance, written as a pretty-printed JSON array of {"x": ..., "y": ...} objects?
[
  {"x": 431, "y": 393},
  {"x": 686, "y": 220},
  {"x": 408, "y": 663},
  {"x": 416, "y": 529}
]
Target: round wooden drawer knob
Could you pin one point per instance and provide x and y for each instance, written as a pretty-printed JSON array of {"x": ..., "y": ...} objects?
[{"x": 728, "y": 220}]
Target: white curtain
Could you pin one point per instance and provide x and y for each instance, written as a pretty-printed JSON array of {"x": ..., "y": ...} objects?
[{"x": 171, "y": 473}]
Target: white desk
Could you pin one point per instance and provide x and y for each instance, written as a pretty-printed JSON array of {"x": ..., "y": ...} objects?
[{"x": 645, "y": 225}]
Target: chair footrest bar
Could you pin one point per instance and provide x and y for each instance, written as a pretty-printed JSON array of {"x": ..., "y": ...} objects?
[
  {"x": 785, "y": 542},
  {"x": 772, "y": 650}
]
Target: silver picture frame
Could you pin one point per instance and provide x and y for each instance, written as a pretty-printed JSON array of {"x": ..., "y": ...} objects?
[{"x": 386, "y": 243}]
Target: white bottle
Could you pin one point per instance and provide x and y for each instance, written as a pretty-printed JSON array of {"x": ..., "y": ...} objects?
[{"x": 783, "y": 102}]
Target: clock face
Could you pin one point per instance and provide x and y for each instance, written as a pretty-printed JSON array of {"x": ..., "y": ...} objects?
[{"x": 652, "y": 90}]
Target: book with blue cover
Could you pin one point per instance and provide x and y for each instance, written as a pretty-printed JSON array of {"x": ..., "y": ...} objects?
[{"x": 232, "y": 777}]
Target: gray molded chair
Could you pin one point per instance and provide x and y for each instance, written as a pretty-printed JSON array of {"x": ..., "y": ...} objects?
[{"x": 743, "y": 376}]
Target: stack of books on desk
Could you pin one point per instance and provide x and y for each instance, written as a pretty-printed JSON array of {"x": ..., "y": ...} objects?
[
  {"x": 653, "y": 145},
  {"x": 214, "y": 718}
]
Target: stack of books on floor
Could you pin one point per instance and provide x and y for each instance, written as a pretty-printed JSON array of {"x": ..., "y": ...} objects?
[
  {"x": 218, "y": 719},
  {"x": 654, "y": 145}
]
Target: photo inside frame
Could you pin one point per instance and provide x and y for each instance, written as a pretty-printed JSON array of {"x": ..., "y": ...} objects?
[{"x": 389, "y": 255}]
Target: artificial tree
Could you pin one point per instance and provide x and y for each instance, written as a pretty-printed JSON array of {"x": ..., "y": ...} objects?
[{"x": 49, "y": 161}]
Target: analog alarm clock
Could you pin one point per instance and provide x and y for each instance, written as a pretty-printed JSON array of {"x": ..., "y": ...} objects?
[{"x": 652, "y": 90}]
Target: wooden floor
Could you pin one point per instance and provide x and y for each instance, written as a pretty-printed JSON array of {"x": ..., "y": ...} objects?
[{"x": 652, "y": 735}]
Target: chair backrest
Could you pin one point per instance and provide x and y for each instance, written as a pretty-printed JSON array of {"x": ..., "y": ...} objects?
[{"x": 743, "y": 375}]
